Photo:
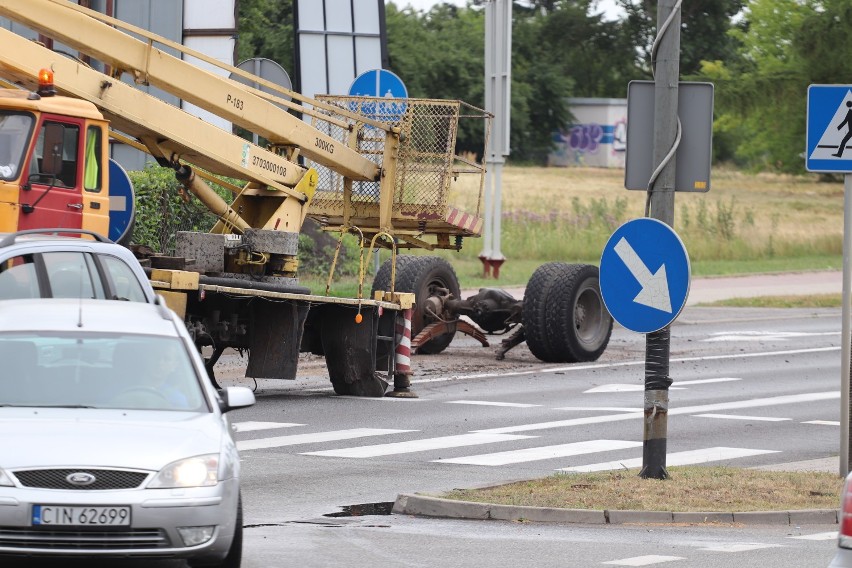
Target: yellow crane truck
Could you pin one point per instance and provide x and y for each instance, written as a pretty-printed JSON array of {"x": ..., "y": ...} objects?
[{"x": 381, "y": 169}]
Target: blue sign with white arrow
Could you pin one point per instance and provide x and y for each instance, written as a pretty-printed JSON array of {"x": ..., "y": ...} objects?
[
  {"x": 644, "y": 275},
  {"x": 829, "y": 129},
  {"x": 385, "y": 84}
]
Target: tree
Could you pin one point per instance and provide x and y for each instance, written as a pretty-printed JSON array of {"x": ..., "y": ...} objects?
[
  {"x": 266, "y": 30},
  {"x": 704, "y": 27},
  {"x": 786, "y": 45}
]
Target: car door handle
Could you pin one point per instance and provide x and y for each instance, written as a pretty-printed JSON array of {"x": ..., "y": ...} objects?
[{"x": 75, "y": 205}]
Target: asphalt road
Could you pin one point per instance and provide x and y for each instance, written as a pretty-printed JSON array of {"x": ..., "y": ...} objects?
[
  {"x": 753, "y": 388},
  {"x": 761, "y": 382}
]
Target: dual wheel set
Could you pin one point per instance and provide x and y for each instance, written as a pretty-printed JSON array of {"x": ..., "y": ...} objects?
[{"x": 563, "y": 317}]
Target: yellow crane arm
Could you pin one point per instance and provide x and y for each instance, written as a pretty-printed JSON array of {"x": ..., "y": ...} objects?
[
  {"x": 169, "y": 129},
  {"x": 219, "y": 95}
]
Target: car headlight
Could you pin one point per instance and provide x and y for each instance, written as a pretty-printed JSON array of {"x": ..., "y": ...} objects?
[
  {"x": 5, "y": 480},
  {"x": 198, "y": 471}
]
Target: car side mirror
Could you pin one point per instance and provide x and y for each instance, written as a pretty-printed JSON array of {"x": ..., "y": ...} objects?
[{"x": 236, "y": 397}]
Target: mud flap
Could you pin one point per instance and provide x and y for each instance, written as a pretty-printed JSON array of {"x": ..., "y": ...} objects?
[
  {"x": 350, "y": 349},
  {"x": 276, "y": 335}
]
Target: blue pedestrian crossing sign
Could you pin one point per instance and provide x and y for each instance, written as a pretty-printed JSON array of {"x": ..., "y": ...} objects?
[
  {"x": 644, "y": 275},
  {"x": 385, "y": 84},
  {"x": 829, "y": 129}
]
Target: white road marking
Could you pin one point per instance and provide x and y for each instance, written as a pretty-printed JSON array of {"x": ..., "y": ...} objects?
[
  {"x": 331, "y": 436},
  {"x": 644, "y": 560},
  {"x": 739, "y": 547},
  {"x": 752, "y": 403},
  {"x": 739, "y": 417},
  {"x": 373, "y": 398},
  {"x": 489, "y": 403},
  {"x": 678, "y": 458},
  {"x": 620, "y": 388},
  {"x": 251, "y": 426},
  {"x": 600, "y": 408},
  {"x": 418, "y": 445},
  {"x": 575, "y": 367},
  {"x": 765, "y": 335},
  {"x": 543, "y": 453},
  {"x": 822, "y": 422},
  {"x": 816, "y": 536},
  {"x": 675, "y": 386}
]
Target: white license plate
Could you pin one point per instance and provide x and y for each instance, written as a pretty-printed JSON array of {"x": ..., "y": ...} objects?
[{"x": 80, "y": 516}]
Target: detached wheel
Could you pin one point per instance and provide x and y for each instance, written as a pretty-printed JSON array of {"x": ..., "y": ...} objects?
[
  {"x": 535, "y": 309},
  {"x": 422, "y": 275},
  {"x": 567, "y": 319}
]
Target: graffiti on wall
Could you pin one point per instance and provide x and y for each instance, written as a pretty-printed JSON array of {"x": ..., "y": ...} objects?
[{"x": 590, "y": 144}]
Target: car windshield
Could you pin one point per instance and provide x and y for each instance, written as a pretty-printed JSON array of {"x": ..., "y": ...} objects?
[
  {"x": 15, "y": 131},
  {"x": 98, "y": 371}
]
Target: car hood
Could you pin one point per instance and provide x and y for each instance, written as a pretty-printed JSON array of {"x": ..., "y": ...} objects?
[{"x": 44, "y": 437}]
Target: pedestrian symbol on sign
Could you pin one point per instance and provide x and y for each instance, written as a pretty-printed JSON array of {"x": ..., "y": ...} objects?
[
  {"x": 847, "y": 122},
  {"x": 837, "y": 133}
]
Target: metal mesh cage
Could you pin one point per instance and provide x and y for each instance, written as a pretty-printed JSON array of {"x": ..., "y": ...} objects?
[{"x": 425, "y": 165}]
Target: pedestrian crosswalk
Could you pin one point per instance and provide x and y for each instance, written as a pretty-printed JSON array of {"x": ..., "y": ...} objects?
[
  {"x": 317, "y": 437},
  {"x": 352, "y": 443},
  {"x": 532, "y": 440}
]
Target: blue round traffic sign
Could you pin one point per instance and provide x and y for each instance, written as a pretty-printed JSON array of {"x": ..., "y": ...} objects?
[
  {"x": 644, "y": 275},
  {"x": 122, "y": 204},
  {"x": 383, "y": 84}
]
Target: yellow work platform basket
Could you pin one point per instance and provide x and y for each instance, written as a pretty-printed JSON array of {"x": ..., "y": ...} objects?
[{"x": 435, "y": 190}]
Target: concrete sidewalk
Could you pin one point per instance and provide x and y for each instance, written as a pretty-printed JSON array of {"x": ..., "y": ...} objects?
[{"x": 710, "y": 289}]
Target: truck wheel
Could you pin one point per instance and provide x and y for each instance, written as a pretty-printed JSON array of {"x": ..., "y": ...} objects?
[
  {"x": 535, "y": 310},
  {"x": 422, "y": 275},
  {"x": 578, "y": 325},
  {"x": 567, "y": 321}
]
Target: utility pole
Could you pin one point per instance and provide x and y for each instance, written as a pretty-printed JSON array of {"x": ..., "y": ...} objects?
[{"x": 661, "y": 192}]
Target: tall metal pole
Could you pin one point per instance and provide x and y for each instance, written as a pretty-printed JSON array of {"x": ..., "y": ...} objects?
[
  {"x": 846, "y": 334},
  {"x": 661, "y": 206},
  {"x": 498, "y": 80}
]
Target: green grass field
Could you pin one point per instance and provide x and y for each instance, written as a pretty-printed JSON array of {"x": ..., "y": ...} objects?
[{"x": 746, "y": 223}]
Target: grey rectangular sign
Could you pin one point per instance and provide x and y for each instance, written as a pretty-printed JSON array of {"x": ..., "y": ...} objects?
[
  {"x": 337, "y": 40},
  {"x": 695, "y": 152}
]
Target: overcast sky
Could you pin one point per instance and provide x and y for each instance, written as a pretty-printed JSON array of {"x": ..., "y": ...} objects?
[{"x": 609, "y": 7}]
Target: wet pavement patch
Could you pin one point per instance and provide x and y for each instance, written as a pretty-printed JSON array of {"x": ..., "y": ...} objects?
[{"x": 363, "y": 510}]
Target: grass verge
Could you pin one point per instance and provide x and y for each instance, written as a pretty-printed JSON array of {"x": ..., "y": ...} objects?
[
  {"x": 813, "y": 301},
  {"x": 689, "y": 488}
]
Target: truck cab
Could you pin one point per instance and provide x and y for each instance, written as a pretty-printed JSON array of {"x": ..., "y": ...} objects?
[{"x": 53, "y": 161}]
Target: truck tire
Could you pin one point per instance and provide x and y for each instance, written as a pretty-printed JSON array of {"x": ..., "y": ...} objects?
[
  {"x": 578, "y": 324},
  {"x": 535, "y": 309},
  {"x": 566, "y": 321},
  {"x": 421, "y": 275}
]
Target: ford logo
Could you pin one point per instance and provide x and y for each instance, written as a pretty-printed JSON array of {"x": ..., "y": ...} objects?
[{"x": 80, "y": 478}]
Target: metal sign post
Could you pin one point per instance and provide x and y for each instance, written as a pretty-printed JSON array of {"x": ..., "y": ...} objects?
[
  {"x": 846, "y": 334},
  {"x": 828, "y": 150},
  {"x": 661, "y": 206},
  {"x": 498, "y": 80}
]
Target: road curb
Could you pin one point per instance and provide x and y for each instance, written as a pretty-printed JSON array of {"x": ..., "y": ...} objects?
[{"x": 426, "y": 506}]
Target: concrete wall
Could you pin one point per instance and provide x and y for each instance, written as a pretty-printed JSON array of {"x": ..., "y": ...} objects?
[{"x": 597, "y": 139}]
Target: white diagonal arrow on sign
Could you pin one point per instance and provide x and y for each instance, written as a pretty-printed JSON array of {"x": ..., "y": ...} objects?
[{"x": 655, "y": 287}]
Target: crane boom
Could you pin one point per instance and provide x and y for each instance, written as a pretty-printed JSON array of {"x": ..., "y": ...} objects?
[
  {"x": 149, "y": 65},
  {"x": 165, "y": 129}
]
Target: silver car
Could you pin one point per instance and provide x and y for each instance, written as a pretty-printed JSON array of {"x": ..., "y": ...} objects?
[
  {"x": 112, "y": 441},
  {"x": 38, "y": 263}
]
